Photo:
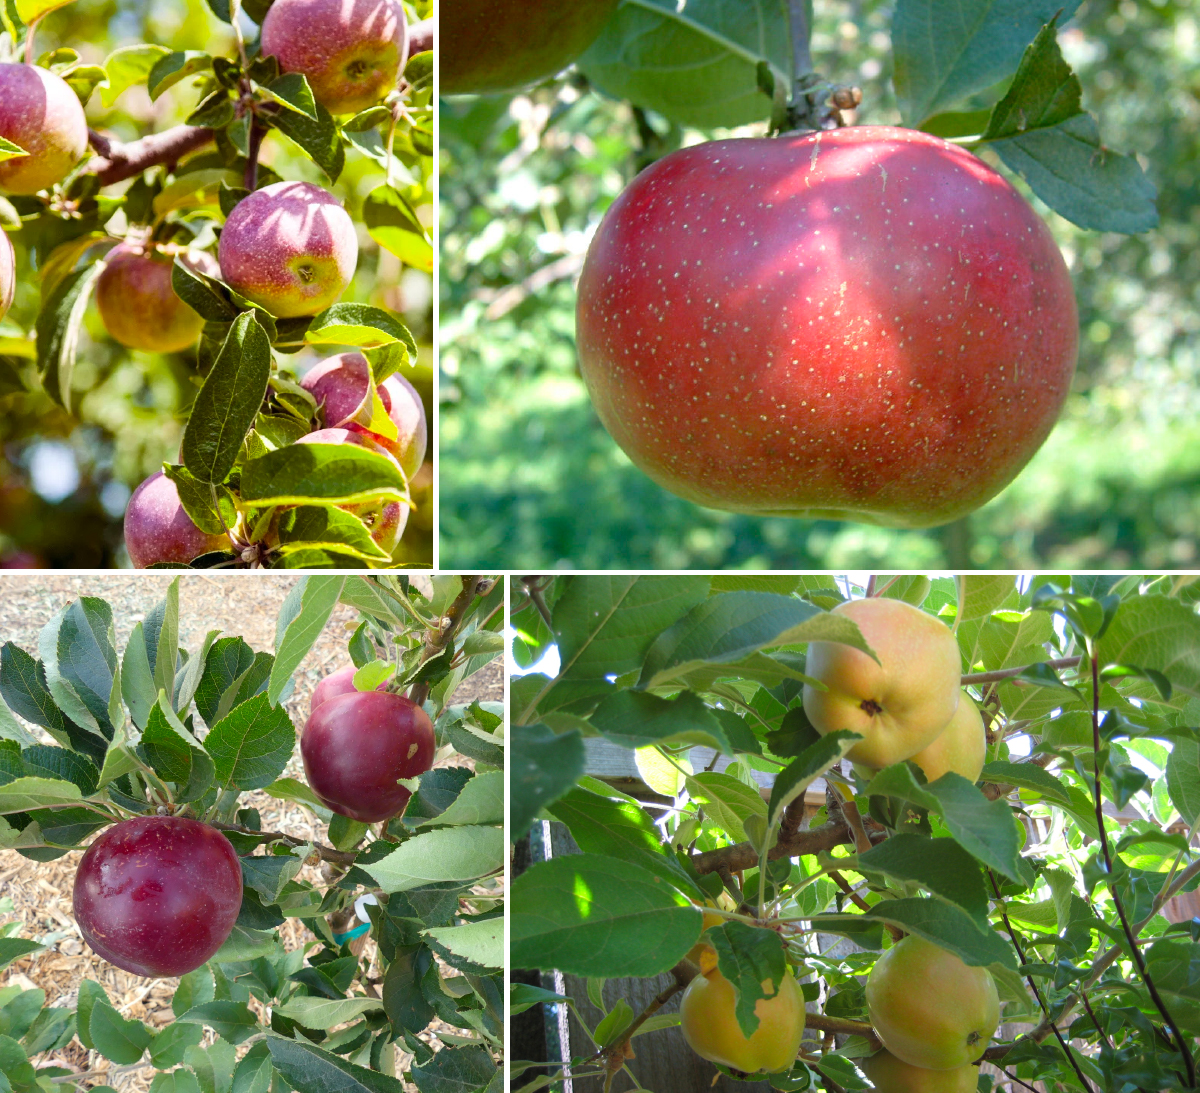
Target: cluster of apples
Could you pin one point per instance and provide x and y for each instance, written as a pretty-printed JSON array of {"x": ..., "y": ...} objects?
[{"x": 289, "y": 247}]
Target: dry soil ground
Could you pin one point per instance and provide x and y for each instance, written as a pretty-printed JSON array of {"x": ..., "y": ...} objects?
[{"x": 236, "y": 604}]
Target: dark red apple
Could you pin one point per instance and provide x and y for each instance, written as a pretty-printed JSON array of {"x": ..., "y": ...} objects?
[
  {"x": 502, "y": 45},
  {"x": 865, "y": 324},
  {"x": 336, "y": 683},
  {"x": 356, "y": 746},
  {"x": 158, "y": 895}
]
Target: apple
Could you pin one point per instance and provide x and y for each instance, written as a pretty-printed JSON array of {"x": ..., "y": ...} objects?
[
  {"x": 861, "y": 324},
  {"x": 342, "y": 387},
  {"x": 357, "y": 746},
  {"x": 706, "y": 1016},
  {"x": 928, "y": 1008},
  {"x": 158, "y": 895},
  {"x": 289, "y": 247},
  {"x": 961, "y": 746},
  {"x": 349, "y": 50},
  {"x": 41, "y": 115},
  {"x": 336, "y": 683},
  {"x": 8, "y": 273},
  {"x": 891, "y": 1075},
  {"x": 900, "y": 704},
  {"x": 137, "y": 303},
  {"x": 502, "y": 45},
  {"x": 386, "y": 519},
  {"x": 158, "y": 530}
]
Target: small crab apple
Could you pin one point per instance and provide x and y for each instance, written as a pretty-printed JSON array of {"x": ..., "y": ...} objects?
[
  {"x": 137, "y": 303},
  {"x": 502, "y": 45},
  {"x": 8, "y": 273},
  {"x": 289, "y": 247},
  {"x": 158, "y": 530},
  {"x": 357, "y": 746},
  {"x": 158, "y": 895},
  {"x": 41, "y": 115},
  {"x": 349, "y": 50},
  {"x": 860, "y": 324},
  {"x": 342, "y": 386}
]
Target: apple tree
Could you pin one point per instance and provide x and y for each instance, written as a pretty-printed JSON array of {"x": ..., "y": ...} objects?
[
  {"x": 154, "y": 747},
  {"x": 232, "y": 296},
  {"x": 998, "y": 902}
]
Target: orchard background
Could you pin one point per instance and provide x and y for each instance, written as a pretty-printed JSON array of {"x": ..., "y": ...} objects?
[
  {"x": 66, "y": 476},
  {"x": 525, "y": 180},
  {"x": 663, "y": 748}
]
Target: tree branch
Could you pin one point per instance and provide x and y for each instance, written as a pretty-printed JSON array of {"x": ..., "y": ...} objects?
[
  {"x": 840, "y": 1025},
  {"x": 436, "y": 641},
  {"x": 325, "y": 853},
  {"x": 742, "y": 856},
  {"x": 116, "y": 161}
]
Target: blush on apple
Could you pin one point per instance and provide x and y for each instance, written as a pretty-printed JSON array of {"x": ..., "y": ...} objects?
[
  {"x": 41, "y": 115},
  {"x": 865, "y": 324}
]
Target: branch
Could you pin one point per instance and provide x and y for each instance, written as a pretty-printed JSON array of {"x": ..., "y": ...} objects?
[
  {"x": 840, "y": 1025},
  {"x": 742, "y": 856},
  {"x": 325, "y": 853},
  {"x": 116, "y": 162},
  {"x": 1008, "y": 673},
  {"x": 437, "y": 640}
]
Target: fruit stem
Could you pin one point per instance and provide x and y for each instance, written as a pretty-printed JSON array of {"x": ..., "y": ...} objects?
[
  {"x": 29, "y": 35},
  {"x": 802, "y": 64},
  {"x": 438, "y": 639},
  {"x": 257, "y": 132}
]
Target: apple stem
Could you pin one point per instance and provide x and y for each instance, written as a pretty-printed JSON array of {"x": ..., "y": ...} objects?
[
  {"x": 29, "y": 35},
  {"x": 257, "y": 132},
  {"x": 802, "y": 63}
]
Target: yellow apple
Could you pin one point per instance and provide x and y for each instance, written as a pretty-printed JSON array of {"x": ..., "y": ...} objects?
[
  {"x": 711, "y": 1029},
  {"x": 961, "y": 747},
  {"x": 891, "y": 1075},
  {"x": 928, "y": 1008},
  {"x": 900, "y": 704}
]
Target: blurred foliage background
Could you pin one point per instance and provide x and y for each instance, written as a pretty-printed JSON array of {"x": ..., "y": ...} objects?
[
  {"x": 65, "y": 479},
  {"x": 530, "y": 479}
]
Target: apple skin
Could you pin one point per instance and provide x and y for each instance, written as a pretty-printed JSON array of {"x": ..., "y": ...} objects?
[
  {"x": 8, "y": 273},
  {"x": 928, "y": 1008},
  {"x": 342, "y": 385},
  {"x": 901, "y": 704},
  {"x": 891, "y": 1075},
  {"x": 350, "y": 50},
  {"x": 336, "y": 683},
  {"x": 960, "y": 747},
  {"x": 41, "y": 114},
  {"x": 158, "y": 895},
  {"x": 290, "y": 248},
  {"x": 386, "y": 519},
  {"x": 489, "y": 46},
  {"x": 158, "y": 530},
  {"x": 138, "y": 305},
  {"x": 355, "y": 746},
  {"x": 706, "y": 1017},
  {"x": 861, "y": 324}
]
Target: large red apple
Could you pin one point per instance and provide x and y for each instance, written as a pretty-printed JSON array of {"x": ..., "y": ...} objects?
[
  {"x": 158, "y": 895},
  {"x": 356, "y": 746},
  {"x": 866, "y": 324}
]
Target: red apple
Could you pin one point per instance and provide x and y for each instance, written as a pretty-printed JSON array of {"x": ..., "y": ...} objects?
[
  {"x": 41, "y": 115},
  {"x": 356, "y": 746},
  {"x": 336, "y": 683},
  {"x": 349, "y": 50},
  {"x": 289, "y": 247},
  {"x": 158, "y": 530},
  {"x": 158, "y": 895},
  {"x": 502, "y": 45},
  {"x": 8, "y": 273},
  {"x": 342, "y": 386},
  {"x": 864, "y": 324},
  {"x": 138, "y": 304}
]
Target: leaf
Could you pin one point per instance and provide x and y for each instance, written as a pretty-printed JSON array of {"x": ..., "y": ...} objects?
[
  {"x": 23, "y": 687},
  {"x": 802, "y": 771},
  {"x": 174, "y": 67},
  {"x": 480, "y": 802},
  {"x": 1183, "y": 778},
  {"x": 588, "y": 914},
  {"x": 228, "y": 402},
  {"x": 252, "y": 744},
  {"x": 58, "y": 327},
  {"x": 342, "y": 474},
  {"x": 940, "y": 866},
  {"x": 319, "y": 138},
  {"x": 727, "y": 801},
  {"x": 635, "y": 719},
  {"x": 254, "y": 1071},
  {"x": 1028, "y": 776},
  {"x": 947, "y": 49},
  {"x": 22, "y": 794},
  {"x": 292, "y": 90},
  {"x": 312, "y": 1012},
  {"x": 32, "y": 10},
  {"x": 244, "y": 944},
  {"x": 479, "y": 942},
  {"x": 392, "y": 222},
  {"x": 78, "y": 649},
  {"x": 981, "y": 594},
  {"x": 360, "y": 325},
  {"x": 311, "y": 1070},
  {"x": 13, "y": 948},
  {"x": 302, "y": 617},
  {"x": 749, "y": 957},
  {"x": 1155, "y": 632},
  {"x": 696, "y": 64},
  {"x": 468, "y": 1068},
  {"x": 447, "y": 854},
  {"x": 117, "y": 1039},
  {"x": 327, "y": 528},
  {"x": 230, "y": 1020}
]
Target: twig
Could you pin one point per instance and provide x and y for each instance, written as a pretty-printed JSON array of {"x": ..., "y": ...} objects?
[
  {"x": 117, "y": 161},
  {"x": 325, "y": 853},
  {"x": 1008, "y": 673},
  {"x": 257, "y": 132},
  {"x": 437, "y": 639},
  {"x": 822, "y": 1023}
]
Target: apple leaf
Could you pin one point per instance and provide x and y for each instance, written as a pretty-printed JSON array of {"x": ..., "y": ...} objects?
[
  {"x": 447, "y": 854},
  {"x": 252, "y": 744}
]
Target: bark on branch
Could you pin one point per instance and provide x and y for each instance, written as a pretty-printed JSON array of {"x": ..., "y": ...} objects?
[
  {"x": 116, "y": 161},
  {"x": 325, "y": 853},
  {"x": 744, "y": 856}
]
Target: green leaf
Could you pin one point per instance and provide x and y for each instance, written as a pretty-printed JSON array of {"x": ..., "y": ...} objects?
[
  {"x": 13, "y": 948},
  {"x": 313, "y": 1012},
  {"x": 455, "y": 1071},
  {"x": 805, "y": 769},
  {"x": 1155, "y": 632},
  {"x": 329, "y": 528},
  {"x": 392, "y": 222},
  {"x": 252, "y": 744},
  {"x": 545, "y": 765},
  {"x": 23, "y": 687},
  {"x": 254, "y": 1071},
  {"x": 1183, "y": 778},
  {"x": 940, "y": 866},
  {"x": 302, "y": 474},
  {"x": 90, "y": 993},
  {"x": 479, "y": 942},
  {"x": 117, "y": 1039},
  {"x": 228, "y": 402},
  {"x": 318, "y": 138},
  {"x": 230, "y": 1020},
  {"x": 1028, "y": 776},
  {"x": 947, "y": 49},
  {"x": 308, "y": 1068},
  {"x": 302, "y": 617},
  {"x": 748, "y": 957},
  {"x": 59, "y": 324},
  {"x": 447, "y": 854},
  {"x": 171, "y": 1044},
  {"x": 176, "y": 1081},
  {"x": 289, "y": 789},
  {"x": 480, "y": 802},
  {"x": 727, "y": 801},
  {"x": 78, "y": 649},
  {"x": 8, "y": 150},
  {"x": 359, "y": 325},
  {"x": 588, "y": 914},
  {"x": 22, "y": 794},
  {"x": 636, "y": 719},
  {"x": 174, "y": 67},
  {"x": 292, "y": 90},
  {"x": 244, "y": 944}
]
